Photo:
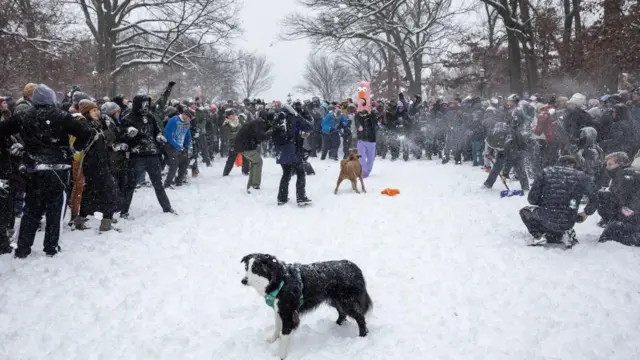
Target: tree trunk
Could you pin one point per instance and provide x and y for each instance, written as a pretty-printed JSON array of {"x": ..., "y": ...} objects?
[{"x": 515, "y": 72}]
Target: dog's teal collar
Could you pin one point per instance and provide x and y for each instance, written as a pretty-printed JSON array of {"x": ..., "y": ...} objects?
[{"x": 270, "y": 298}]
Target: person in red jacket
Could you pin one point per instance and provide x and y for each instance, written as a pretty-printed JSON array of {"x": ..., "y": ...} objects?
[{"x": 546, "y": 131}]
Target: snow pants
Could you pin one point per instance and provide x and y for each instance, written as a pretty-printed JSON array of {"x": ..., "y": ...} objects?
[
  {"x": 531, "y": 218},
  {"x": 46, "y": 194},
  {"x": 151, "y": 165},
  {"x": 255, "y": 167},
  {"x": 367, "y": 152},
  {"x": 178, "y": 162},
  {"x": 623, "y": 232},
  {"x": 287, "y": 172}
]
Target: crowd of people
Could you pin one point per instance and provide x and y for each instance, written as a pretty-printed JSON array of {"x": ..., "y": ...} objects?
[{"x": 92, "y": 154}]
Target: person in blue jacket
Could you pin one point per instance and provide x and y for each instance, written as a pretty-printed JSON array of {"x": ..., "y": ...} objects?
[
  {"x": 288, "y": 127},
  {"x": 330, "y": 133},
  {"x": 178, "y": 147}
]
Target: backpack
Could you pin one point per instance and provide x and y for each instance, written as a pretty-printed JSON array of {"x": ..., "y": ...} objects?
[{"x": 497, "y": 137}]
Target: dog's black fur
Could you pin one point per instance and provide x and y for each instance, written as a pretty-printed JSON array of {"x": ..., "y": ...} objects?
[{"x": 338, "y": 283}]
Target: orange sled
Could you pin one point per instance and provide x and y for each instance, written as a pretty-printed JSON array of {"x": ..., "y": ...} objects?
[{"x": 390, "y": 192}]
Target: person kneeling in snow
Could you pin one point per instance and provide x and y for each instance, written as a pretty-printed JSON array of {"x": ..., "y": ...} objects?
[
  {"x": 619, "y": 206},
  {"x": 555, "y": 198}
]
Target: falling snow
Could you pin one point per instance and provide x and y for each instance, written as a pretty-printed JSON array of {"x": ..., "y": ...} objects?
[{"x": 445, "y": 264}]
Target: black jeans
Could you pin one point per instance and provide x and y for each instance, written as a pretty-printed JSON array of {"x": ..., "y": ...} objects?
[
  {"x": 346, "y": 145},
  {"x": 287, "y": 171},
  {"x": 507, "y": 160},
  {"x": 46, "y": 195},
  {"x": 330, "y": 144},
  {"x": 137, "y": 166},
  {"x": 531, "y": 218},
  {"x": 177, "y": 161},
  {"x": 231, "y": 161}
]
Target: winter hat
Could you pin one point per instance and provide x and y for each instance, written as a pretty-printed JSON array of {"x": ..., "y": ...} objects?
[
  {"x": 86, "y": 105},
  {"x": 43, "y": 95},
  {"x": 578, "y": 100},
  {"x": 170, "y": 111},
  {"x": 28, "y": 90},
  {"x": 566, "y": 160},
  {"x": 562, "y": 101},
  {"x": 109, "y": 108},
  {"x": 79, "y": 96}
]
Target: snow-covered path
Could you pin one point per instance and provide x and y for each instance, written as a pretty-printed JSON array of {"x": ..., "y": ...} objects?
[{"x": 445, "y": 263}]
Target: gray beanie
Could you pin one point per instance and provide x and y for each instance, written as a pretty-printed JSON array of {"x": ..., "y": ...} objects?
[
  {"x": 79, "y": 96},
  {"x": 43, "y": 95},
  {"x": 109, "y": 108}
]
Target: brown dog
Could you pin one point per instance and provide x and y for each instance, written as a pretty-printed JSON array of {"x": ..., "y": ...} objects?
[{"x": 352, "y": 170}]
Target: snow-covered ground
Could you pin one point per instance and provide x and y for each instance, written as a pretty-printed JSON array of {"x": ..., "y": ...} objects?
[{"x": 445, "y": 264}]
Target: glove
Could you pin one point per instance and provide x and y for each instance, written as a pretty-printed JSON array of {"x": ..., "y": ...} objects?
[
  {"x": 627, "y": 212},
  {"x": 196, "y": 135},
  {"x": 132, "y": 132},
  {"x": 121, "y": 147},
  {"x": 161, "y": 139},
  {"x": 189, "y": 152},
  {"x": 17, "y": 149},
  {"x": 171, "y": 84}
]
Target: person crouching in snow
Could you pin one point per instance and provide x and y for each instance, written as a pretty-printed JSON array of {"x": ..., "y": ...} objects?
[
  {"x": 249, "y": 136},
  {"x": 178, "y": 147},
  {"x": 366, "y": 125},
  {"x": 555, "y": 198}
]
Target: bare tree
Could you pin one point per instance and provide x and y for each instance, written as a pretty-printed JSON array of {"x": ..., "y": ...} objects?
[
  {"x": 255, "y": 74},
  {"x": 418, "y": 32},
  {"x": 326, "y": 77},
  {"x": 130, "y": 33}
]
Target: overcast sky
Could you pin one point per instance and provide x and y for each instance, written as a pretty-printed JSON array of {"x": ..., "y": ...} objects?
[{"x": 261, "y": 21}]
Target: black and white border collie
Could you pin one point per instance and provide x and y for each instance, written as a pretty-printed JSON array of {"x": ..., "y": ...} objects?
[{"x": 294, "y": 289}]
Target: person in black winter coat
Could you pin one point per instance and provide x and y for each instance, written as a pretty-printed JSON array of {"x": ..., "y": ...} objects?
[
  {"x": 575, "y": 118},
  {"x": 6, "y": 195},
  {"x": 555, "y": 198},
  {"x": 619, "y": 205},
  {"x": 45, "y": 130},
  {"x": 249, "y": 136},
  {"x": 144, "y": 139},
  {"x": 288, "y": 128},
  {"x": 100, "y": 193},
  {"x": 621, "y": 136}
]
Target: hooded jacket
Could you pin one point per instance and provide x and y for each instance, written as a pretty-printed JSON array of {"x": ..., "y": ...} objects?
[
  {"x": 290, "y": 152},
  {"x": 144, "y": 143},
  {"x": 590, "y": 156},
  {"x": 45, "y": 131}
]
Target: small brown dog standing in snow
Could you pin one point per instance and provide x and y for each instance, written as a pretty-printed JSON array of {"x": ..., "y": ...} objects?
[{"x": 352, "y": 170}]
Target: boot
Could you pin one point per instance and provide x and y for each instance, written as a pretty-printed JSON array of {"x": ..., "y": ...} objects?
[
  {"x": 105, "y": 225},
  {"x": 79, "y": 223}
]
